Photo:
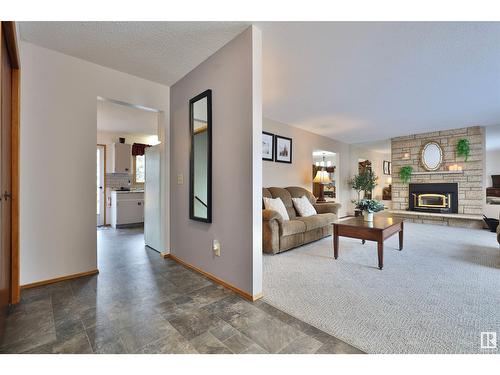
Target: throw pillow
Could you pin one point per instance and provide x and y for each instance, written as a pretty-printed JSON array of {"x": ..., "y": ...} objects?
[
  {"x": 303, "y": 206},
  {"x": 276, "y": 204}
]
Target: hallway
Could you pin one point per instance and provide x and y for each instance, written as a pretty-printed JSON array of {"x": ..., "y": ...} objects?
[{"x": 141, "y": 303}]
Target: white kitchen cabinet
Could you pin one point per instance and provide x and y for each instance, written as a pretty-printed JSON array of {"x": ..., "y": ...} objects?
[
  {"x": 122, "y": 158},
  {"x": 126, "y": 208}
]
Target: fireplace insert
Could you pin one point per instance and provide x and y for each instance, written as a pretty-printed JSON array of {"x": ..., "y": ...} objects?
[{"x": 436, "y": 197}]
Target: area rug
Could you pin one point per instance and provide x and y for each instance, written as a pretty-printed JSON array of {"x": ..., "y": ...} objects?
[{"x": 435, "y": 296}]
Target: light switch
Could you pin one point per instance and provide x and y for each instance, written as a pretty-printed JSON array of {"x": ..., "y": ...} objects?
[
  {"x": 180, "y": 179},
  {"x": 216, "y": 248}
]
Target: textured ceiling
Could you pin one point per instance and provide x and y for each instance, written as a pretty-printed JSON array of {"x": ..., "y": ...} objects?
[
  {"x": 359, "y": 82},
  {"x": 351, "y": 81},
  {"x": 158, "y": 51},
  {"x": 382, "y": 146}
]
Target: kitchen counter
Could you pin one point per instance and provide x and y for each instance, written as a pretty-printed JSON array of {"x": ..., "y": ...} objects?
[{"x": 127, "y": 208}]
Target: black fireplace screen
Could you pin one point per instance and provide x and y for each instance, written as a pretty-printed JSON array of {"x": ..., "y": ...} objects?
[{"x": 439, "y": 197}]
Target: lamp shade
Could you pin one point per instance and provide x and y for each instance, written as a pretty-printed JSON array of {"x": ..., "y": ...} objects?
[{"x": 322, "y": 177}]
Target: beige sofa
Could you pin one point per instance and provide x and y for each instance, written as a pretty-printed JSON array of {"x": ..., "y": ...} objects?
[{"x": 279, "y": 235}]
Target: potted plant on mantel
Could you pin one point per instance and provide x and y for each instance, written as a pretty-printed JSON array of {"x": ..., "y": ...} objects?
[
  {"x": 463, "y": 148},
  {"x": 368, "y": 207},
  {"x": 405, "y": 173}
]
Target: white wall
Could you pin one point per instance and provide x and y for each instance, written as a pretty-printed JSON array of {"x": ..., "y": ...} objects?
[
  {"x": 377, "y": 160},
  {"x": 299, "y": 173},
  {"x": 233, "y": 75},
  {"x": 58, "y": 159}
]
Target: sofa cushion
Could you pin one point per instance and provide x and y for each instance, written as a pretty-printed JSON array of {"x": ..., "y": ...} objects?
[
  {"x": 297, "y": 192},
  {"x": 265, "y": 194},
  {"x": 276, "y": 204},
  {"x": 303, "y": 207},
  {"x": 286, "y": 198},
  {"x": 317, "y": 221},
  {"x": 290, "y": 227}
]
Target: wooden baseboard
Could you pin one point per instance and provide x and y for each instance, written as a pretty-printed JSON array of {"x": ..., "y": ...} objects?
[
  {"x": 58, "y": 279},
  {"x": 242, "y": 293}
]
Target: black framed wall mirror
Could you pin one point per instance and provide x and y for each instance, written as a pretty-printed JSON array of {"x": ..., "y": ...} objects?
[{"x": 200, "y": 173}]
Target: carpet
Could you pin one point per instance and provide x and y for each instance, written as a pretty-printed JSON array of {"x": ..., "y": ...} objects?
[{"x": 435, "y": 296}]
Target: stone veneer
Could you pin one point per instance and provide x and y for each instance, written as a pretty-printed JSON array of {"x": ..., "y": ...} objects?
[{"x": 470, "y": 183}]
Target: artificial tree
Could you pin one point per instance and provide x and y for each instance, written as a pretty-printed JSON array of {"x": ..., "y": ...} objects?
[{"x": 365, "y": 181}]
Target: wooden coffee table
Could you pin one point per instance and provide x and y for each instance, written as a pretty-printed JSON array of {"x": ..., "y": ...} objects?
[{"x": 381, "y": 228}]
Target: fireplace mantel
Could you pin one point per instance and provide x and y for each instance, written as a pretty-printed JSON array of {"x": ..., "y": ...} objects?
[{"x": 436, "y": 172}]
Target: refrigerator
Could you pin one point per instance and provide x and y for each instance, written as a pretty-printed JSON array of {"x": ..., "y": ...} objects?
[{"x": 152, "y": 199}]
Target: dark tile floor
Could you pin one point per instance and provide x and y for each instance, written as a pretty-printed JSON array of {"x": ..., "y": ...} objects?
[{"x": 141, "y": 303}]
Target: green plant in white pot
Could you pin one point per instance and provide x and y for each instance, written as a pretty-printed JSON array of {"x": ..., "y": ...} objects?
[{"x": 368, "y": 207}]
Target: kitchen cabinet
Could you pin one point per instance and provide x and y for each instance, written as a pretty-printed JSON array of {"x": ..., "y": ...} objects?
[
  {"x": 122, "y": 158},
  {"x": 127, "y": 208}
]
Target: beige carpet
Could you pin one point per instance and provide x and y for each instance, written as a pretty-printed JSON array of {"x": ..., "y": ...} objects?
[{"x": 435, "y": 296}]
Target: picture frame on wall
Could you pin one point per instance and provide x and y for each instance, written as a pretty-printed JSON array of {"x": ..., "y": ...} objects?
[
  {"x": 267, "y": 146},
  {"x": 282, "y": 149},
  {"x": 387, "y": 167}
]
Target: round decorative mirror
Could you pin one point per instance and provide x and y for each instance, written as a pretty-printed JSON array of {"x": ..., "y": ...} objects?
[{"x": 432, "y": 156}]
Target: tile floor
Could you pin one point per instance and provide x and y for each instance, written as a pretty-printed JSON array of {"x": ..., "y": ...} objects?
[{"x": 141, "y": 303}]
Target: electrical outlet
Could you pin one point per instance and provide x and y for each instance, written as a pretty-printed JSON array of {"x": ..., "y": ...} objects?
[
  {"x": 180, "y": 179},
  {"x": 216, "y": 248}
]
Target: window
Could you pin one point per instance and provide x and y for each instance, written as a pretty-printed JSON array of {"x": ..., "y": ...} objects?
[{"x": 139, "y": 169}]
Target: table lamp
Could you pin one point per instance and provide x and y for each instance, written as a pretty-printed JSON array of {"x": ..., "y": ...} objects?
[{"x": 322, "y": 178}]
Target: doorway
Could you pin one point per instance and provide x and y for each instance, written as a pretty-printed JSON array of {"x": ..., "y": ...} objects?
[
  {"x": 101, "y": 185},
  {"x": 324, "y": 175},
  {"x": 128, "y": 179}
]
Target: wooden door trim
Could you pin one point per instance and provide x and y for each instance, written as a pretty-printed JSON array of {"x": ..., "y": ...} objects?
[
  {"x": 105, "y": 182},
  {"x": 15, "y": 181},
  {"x": 9, "y": 32},
  {"x": 9, "y": 29}
]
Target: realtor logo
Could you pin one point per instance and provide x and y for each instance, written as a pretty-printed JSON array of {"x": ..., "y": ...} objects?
[{"x": 488, "y": 340}]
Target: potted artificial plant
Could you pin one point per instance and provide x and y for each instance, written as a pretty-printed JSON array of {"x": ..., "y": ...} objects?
[
  {"x": 463, "y": 148},
  {"x": 365, "y": 181},
  {"x": 405, "y": 173},
  {"x": 368, "y": 207}
]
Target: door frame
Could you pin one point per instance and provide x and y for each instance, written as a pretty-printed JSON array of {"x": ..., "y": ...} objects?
[
  {"x": 8, "y": 30},
  {"x": 105, "y": 182}
]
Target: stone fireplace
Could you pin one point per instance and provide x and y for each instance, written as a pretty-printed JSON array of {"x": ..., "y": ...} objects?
[{"x": 435, "y": 196}]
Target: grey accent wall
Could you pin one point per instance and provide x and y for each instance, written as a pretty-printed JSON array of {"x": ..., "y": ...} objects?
[{"x": 233, "y": 74}]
